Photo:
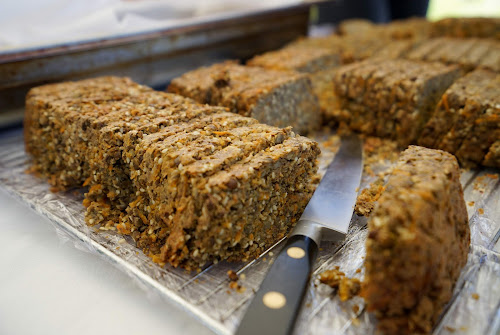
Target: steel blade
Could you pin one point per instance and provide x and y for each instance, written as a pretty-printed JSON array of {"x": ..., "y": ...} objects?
[{"x": 332, "y": 203}]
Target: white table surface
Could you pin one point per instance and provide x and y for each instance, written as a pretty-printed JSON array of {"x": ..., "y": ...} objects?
[{"x": 48, "y": 286}]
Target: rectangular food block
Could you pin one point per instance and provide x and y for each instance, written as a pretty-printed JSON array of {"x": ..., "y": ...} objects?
[
  {"x": 355, "y": 27},
  {"x": 391, "y": 98},
  {"x": 418, "y": 242},
  {"x": 486, "y": 128},
  {"x": 415, "y": 28},
  {"x": 469, "y": 53},
  {"x": 395, "y": 49},
  {"x": 54, "y": 138},
  {"x": 298, "y": 58},
  {"x": 351, "y": 48},
  {"x": 467, "y": 27},
  {"x": 491, "y": 59},
  {"x": 319, "y": 62},
  {"x": 191, "y": 183},
  {"x": 224, "y": 191},
  {"x": 466, "y": 118},
  {"x": 492, "y": 158},
  {"x": 110, "y": 184},
  {"x": 277, "y": 98}
]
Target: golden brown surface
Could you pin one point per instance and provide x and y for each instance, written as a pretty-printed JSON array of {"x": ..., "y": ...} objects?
[
  {"x": 191, "y": 183},
  {"x": 414, "y": 256},
  {"x": 466, "y": 121},
  {"x": 279, "y": 98}
]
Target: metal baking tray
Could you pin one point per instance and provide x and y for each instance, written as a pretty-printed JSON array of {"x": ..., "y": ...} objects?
[
  {"x": 150, "y": 58},
  {"x": 207, "y": 295}
]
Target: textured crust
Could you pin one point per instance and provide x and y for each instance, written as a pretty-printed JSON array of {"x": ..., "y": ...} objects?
[
  {"x": 469, "y": 53},
  {"x": 414, "y": 257},
  {"x": 355, "y": 27},
  {"x": 467, "y": 27},
  {"x": 391, "y": 98},
  {"x": 190, "y": 183},
  {"x": 351, "y": 48},
  {"x": 279, "y": 98},
  {"x": 297, "y": 58},
  {"x": 492, "y": 158},
  {"x": 52, "y": 137},
  {"x": 395, "y": 49},
  {"x": 466, "y": 121},
  {"x": 319, "y": 62}
]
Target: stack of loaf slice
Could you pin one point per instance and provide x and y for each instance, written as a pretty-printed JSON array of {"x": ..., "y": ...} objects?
[
  {"x": 190, "y": 183},
  {"x": 278, "y": 98}
]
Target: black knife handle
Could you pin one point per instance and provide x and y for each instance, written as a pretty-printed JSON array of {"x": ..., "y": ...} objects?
[{"x": 278, "y": 300}]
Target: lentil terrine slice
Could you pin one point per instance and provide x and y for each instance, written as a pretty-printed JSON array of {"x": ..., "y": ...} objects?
[
  {"x": 54, "y": 138},
  {"x": 277, "y": 98},
  {"x": 466, "y": 118},
  {"x": 391, "y": 98},
  {"x": 203, "y": 208},
  {"x": 319, "y": 62},
  {"x": 417, "y": 244},
  {"x": 467, "y": 27}
]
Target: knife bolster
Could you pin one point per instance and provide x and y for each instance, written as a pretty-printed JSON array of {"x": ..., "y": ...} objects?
[{"x": 309, "y": 229}]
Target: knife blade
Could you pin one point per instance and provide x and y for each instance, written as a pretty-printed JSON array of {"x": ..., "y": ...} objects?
[{"x": 326, "y": 217}]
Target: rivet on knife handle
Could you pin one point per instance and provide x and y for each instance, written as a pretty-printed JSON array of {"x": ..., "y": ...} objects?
[{"x": 275, "y": 306}]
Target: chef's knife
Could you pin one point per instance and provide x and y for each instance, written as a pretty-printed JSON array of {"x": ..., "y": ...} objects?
[{"x": 326, "y": 217}]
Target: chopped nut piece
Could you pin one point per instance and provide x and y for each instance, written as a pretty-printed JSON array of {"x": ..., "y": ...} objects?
[
  {"x": 331, "y": 278},
  {"x": 348, "y": 288}
]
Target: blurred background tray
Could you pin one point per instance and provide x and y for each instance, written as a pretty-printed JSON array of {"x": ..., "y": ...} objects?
[{"x": 151, "y": 58}]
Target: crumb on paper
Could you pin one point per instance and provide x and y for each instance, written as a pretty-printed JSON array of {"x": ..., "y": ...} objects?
[
  {"x": 379, "y": 151},
  {"x": 492, "y": 175},
  {"x": 331, "y": 277},
  {"x": 475, "y": 296},
  {"x": 355, "y": 309},
  {"x": 355, "y": 322},
  {"x": 358, "y": 270},
  {"x": 365, "y": 203},
  {"x": 243, "y": 276},
  {"x": 121, "y": 241},
  {"x": 347, "y": 287},
  {"x": 480, "y": 184},
  {"x": 233, "y": 284},
  {"x": 232, "y": 275},
  {"x": 480, "y": 211},
  {"x": 450, "y": 329},
  {"x": 471, "y": 203}
]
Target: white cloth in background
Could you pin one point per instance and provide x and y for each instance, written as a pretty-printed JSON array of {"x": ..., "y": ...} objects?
[{"x": 28, "y": 24}]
